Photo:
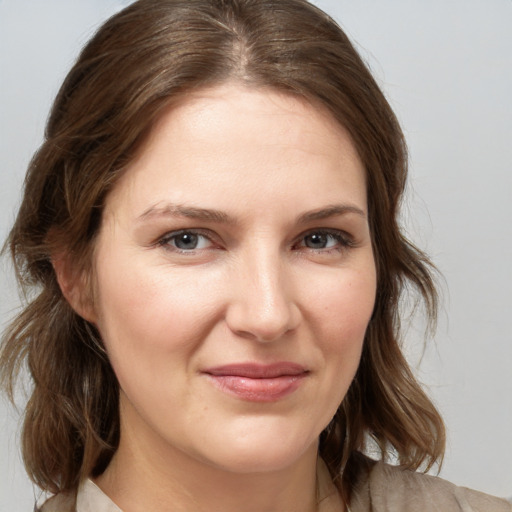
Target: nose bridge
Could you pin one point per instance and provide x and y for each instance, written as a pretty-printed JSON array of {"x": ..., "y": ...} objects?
[{"x": 263, "y": 307}]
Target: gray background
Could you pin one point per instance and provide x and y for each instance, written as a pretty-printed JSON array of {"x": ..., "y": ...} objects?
[{"x": 446, "y": 67}]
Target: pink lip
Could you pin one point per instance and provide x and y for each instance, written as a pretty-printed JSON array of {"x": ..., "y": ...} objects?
[{"x": 257, "y": 382}]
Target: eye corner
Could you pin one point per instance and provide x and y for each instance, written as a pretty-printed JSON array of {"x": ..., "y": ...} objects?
[
  {"x": 325, "y": 240},
  {"x": 192, "y": 241}
]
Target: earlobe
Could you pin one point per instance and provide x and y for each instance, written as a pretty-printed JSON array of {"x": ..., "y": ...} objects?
[{"x": 75, "y": 286}]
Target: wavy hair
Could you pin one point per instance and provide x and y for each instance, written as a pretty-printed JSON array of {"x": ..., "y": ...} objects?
[{"x": 145, "y": 57}]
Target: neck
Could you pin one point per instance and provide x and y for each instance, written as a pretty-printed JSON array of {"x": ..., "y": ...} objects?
[
  {"x": 147, "y": 473},
  {"x": 137, "y": 484}
]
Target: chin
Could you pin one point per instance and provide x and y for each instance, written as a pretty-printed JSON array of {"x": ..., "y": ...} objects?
[{"x": 256, "y": 454}]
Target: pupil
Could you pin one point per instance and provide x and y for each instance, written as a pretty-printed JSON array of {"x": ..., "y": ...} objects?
[
  {"x": 186, "y": 241},
  {"x": 316, "y": 241}
]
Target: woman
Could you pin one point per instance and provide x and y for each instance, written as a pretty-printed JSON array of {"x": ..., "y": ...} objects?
[{"x": 212, "y": 222}]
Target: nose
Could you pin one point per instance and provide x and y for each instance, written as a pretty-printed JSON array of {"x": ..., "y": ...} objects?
[{"x": 263, "y": 305}]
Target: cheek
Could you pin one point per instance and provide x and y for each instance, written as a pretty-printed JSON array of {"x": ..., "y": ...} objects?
[
  {"x": 145, "y": 312},
  {"x": 349, "y": 303},
  {"x": 344, "y": 308},
  {"x": 346, "y": 313}
]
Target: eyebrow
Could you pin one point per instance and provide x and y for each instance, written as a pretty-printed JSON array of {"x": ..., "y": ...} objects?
[
  {"x": 191, "y": 212},
  {"x": 334, "y": 210},
  {"x": 218, "y": 216}
]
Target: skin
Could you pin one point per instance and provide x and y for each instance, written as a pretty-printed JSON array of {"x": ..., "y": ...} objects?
[{"x": 283, "y": 270}]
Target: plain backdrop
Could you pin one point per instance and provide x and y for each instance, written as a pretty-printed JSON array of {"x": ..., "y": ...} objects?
[{"x": 446, "y": 67}]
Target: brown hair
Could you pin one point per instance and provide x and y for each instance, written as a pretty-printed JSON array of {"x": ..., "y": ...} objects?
[{"x": 151, "y": 53}]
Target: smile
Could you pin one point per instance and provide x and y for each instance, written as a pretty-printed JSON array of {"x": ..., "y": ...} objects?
[{"x": 258, "y": 383}]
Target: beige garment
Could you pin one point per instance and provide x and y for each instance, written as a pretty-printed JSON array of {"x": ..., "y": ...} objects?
[
  {"x": 386, "y": 488},
  {"x": 382, "y": 488}
]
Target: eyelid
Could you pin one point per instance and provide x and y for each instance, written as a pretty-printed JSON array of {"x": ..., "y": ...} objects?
[
  {"x": 345, "y": 239},
  {"x": 164, "y": 240}
]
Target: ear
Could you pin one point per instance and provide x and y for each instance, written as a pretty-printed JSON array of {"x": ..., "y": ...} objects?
[{"x": 75, "y": 286}]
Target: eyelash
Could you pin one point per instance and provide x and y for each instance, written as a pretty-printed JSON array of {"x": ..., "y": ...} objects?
[
  {"x": 165, "y": 241},
  {"x": 343, "y": 239}
]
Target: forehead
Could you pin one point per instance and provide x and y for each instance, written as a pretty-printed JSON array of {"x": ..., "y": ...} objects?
[
  {"x": 253, "y": 140},
  {"x": 212, "y": 105},
  {"x": 262, "y": 115}
]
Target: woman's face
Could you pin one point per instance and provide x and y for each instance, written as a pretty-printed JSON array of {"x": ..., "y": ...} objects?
[{"x": 235, "y": 280}]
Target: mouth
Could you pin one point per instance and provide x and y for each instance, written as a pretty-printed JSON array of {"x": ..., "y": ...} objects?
[{"x": 258, "y": 382}]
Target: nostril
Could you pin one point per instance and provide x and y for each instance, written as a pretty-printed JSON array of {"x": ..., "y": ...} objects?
[
  {"x": 265, "y": 325},
  {"x": 262, "y": 303}
]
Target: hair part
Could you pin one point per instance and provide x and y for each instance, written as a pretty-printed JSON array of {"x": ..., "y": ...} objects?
[{"x": 143, "y": 59}]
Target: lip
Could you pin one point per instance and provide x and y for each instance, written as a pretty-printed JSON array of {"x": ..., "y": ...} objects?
[{"x": 257, "y": 382}]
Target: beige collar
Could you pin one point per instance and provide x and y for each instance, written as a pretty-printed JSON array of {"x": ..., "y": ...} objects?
[{"x": 90, "y": 498}]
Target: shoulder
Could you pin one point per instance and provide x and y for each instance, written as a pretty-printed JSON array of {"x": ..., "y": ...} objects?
[
  {"x": 88, "y": 498},
  {"x": 386, "y": 488},
  {"x": 63, "y": 502}
]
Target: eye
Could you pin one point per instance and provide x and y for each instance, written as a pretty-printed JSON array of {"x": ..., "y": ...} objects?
[
  {"x": 325, "y": 239},
  {"x": 184, "y": 241},
  {"x": 320, "y": 241}
]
